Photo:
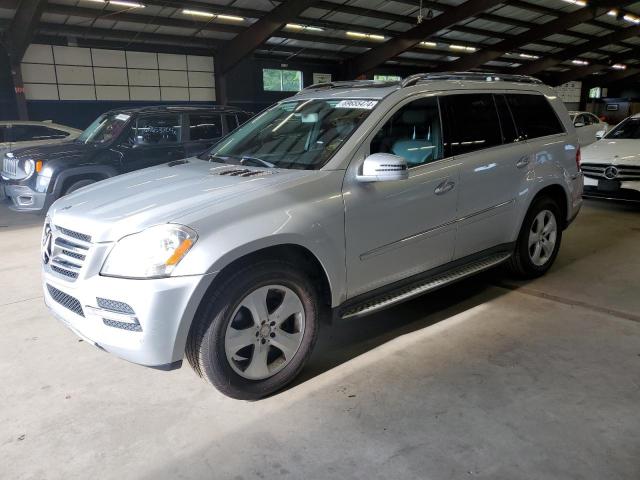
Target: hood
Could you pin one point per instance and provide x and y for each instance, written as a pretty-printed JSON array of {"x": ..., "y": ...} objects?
[
  {"x": 68, "y": 150},
  {"x": 110, "y": 209},
  {"x": 611, "y": 151}
]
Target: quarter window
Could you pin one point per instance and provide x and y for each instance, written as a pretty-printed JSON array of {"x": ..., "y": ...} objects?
[
  {"x": 205, "y": 127},
  {"x": 414, "y": 133},
  {"x": 534, "y": 115},
  {"x": 473, "y": 121},
  {"x": 159, "y": 130}
]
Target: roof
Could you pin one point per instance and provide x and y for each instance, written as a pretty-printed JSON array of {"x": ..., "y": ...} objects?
[{"x": 178, "y": 108}]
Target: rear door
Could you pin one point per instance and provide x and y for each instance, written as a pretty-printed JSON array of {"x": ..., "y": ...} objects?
[
  {"x": 205, "y": 129},
  {"x": 493, "y": 161},
  {"x": 153, "y": 139}
]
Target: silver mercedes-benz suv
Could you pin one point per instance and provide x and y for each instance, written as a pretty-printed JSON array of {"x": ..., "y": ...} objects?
[{"x": 338, "y": 202}]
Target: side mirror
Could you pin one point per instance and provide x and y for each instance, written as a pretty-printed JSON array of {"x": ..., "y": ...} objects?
[
  {"x": 578, "y": 124},
  {"x": 383, "y": 167},
  {"x": 600, "y": 134}
]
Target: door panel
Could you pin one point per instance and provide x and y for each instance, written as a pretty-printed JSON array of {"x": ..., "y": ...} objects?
[{"x": 400, "y": 228}]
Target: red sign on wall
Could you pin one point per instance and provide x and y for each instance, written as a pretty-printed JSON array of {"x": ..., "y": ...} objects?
[{"x": 20, "y": 90}]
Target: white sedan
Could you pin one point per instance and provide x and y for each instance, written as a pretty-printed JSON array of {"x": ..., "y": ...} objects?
[
  {"x": 17, "y": 134},
  {"x": 588, "y": 127},
  {"x": 611, "y": 166}
]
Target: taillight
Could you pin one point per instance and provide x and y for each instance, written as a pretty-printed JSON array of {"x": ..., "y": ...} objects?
[{"x": 578, "y": 157}]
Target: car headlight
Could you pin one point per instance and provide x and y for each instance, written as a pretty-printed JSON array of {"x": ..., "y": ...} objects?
[
  {"x": 152, "y": 253},
  {"x": 29, "y": 167}
]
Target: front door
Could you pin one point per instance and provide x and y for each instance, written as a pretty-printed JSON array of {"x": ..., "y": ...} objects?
[
  {"x": 154, "y": 140},
  {"x": 401, "y": 228}
]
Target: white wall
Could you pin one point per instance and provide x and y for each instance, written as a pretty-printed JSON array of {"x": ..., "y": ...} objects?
[{"x": 74, "y": 73}]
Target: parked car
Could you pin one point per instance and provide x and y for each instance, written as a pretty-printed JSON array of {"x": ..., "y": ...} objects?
[
  {"x": 18, "y": 134},
  {"x": 343, "y": 200},
  {"x": 588, "y": 127},
  {"x": 612, "y": 166},
  {"x": 117, "y": 142}
]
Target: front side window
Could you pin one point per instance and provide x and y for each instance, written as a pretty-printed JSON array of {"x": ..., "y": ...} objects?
[
  {"x": 413, "y": 132},
  {"x": 276, "y": 80},
  {"x": 205, "y": 127},
  {"x": 534, "y": 115},
  {"x": 232, "y": 121},
  {"x": 27, "y": 133},
  {"x": 105, "y": 128},
  {"x": 300, "y": 134},
  {"x": 473, "y": 120},
  {"x": 629, "y": 129},
  {"x": 157, "y": 130}
]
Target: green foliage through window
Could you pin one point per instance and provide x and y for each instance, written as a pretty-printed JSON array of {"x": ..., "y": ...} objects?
[{"x": 276, "y": 80}]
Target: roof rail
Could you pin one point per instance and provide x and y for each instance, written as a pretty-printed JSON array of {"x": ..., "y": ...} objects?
[
  {"x": 475, "y": 76},
  {"x": 350, "y": 84}
]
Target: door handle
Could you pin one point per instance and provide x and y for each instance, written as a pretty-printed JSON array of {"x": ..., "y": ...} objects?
[
  {"x": 444, "y": 187},
  {"x": 523, "y": 162}
]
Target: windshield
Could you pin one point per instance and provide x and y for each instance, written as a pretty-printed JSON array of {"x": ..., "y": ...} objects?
[
  {"x": 629, "y": 129},
  {"x": 299, "y": 134},
  {"x": 105, "y": 128}
]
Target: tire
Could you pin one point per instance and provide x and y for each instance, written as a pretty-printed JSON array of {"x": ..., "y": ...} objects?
[
  {"x": 77, "y": 185},
  {"x": 224, "y": 322},
  {"x": 524, "y": 263}
]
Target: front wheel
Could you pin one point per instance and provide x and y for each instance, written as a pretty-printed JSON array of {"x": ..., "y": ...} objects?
[
  {"x": 256, "y": 332},
  {"x": 539, "y": 240}
]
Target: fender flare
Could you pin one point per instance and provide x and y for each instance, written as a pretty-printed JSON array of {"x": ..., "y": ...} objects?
[{"x": 101, "y": 170}]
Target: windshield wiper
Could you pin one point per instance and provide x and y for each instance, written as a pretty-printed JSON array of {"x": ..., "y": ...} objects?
[
  {"x": 259, "y": 161},
  {"x": 242, "y": 160}
]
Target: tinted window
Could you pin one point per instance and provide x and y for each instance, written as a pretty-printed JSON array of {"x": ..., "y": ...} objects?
[
  {"x": 3, "y": 138},
  {"x": 534, "y": 115},
  {"x": 157, "y": 130},
  {"x": 232, "y": 121},
  {"x": 473, "y": 121},
  {"x": 25, "y": 133},
  {"x": 509, "y": 132},
  {"x": 205, "y": 127},
  {"x": 414, "y": 133}
]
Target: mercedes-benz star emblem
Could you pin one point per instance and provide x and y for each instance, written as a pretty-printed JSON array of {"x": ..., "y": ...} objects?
[
  {"x": 610, "y": 172},
  {"x": 46, "y": 244}
]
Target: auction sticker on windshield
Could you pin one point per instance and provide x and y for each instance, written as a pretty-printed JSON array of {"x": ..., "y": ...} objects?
[{"x": 360, "y": 104}]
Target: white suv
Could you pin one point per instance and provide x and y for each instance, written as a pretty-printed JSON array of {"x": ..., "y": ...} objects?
[{"x": 338, "y": 202}]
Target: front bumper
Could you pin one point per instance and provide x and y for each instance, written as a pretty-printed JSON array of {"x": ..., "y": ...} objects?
[
  {"x": 628, "y": 191},
  {"x": 25, "y": 199},
  {"x": 163, "y": 309}
]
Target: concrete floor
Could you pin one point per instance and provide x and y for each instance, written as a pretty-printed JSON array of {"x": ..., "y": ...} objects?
[{"x": 487, "y": 379}]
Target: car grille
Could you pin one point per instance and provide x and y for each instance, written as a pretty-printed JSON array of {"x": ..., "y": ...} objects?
[
  {"x": 624, "y": 172},
  {"x": 10, "y": 167},
  {"x": 69, "y": 250},
  {"x": 67, "y": 301}
]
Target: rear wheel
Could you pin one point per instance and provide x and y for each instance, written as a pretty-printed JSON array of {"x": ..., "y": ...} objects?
[
  {"x": 254, "y": 335},
  {"x": 539, "y": 240}
]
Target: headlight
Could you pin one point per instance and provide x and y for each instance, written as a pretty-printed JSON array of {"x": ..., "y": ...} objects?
[
  {"x": 152, "y": 253},
  {"x": 29, "y": 166}
]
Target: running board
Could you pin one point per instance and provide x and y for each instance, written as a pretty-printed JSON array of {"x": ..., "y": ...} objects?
[{"x": 427, "y": 285}]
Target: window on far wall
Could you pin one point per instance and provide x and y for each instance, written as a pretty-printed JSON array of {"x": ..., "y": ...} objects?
[
  {"x": 276, "y": 80},
  {"x": 387, "y": 78}
]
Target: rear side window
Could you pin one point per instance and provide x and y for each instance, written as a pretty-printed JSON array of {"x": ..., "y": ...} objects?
[
  {"x": 157, "y": 130},
  {"x": 473, "y": 122},
  {"x": 26, "y": 133},
  {"x": 205, "y": 127},
  {"x": 534, "y": 115},
  {"x": 509, "y": 132},
  {"x": 232, "y": 121}
]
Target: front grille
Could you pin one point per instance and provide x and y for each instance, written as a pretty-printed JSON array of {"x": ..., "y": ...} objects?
[
  {"x": 625, "y": 172},
  {"x": 68, "y": 252},
  {"x": 67, "y": 301},
  {"x": 10, "y": 167},
  {"x": 115, "y": 306}
]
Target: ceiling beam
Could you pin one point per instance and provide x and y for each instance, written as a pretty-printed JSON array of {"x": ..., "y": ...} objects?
[
  {"x": 409, "y": 39},
  {"x": 573, "y": 52},
  {"x": 19, "y": 34},
  {"x": 544, "y": 30},
  {"x": 613, "y": 77},
  {"x": 254, "y": 36},
  {"x": 584, "y": 71}
]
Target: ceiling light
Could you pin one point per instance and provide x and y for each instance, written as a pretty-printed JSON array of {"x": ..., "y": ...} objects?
[
  {"x": 122, "y": 3},
  {"x": 580, "y": 3},
  {"x": 365, "y": 35},
  {"x": 429, "y": 44},
  {"x": 297, "y": 26},
  {"x": 631, "y": 18},
  {"x": 580, "y": 62},
  {"x": 200, "y": 13},
  {"x": 619, "y": 66},
  {"x": 463, "y": 48},
  {"x": 526, "y": 55},
  {"x": 612, "y": 13}
]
